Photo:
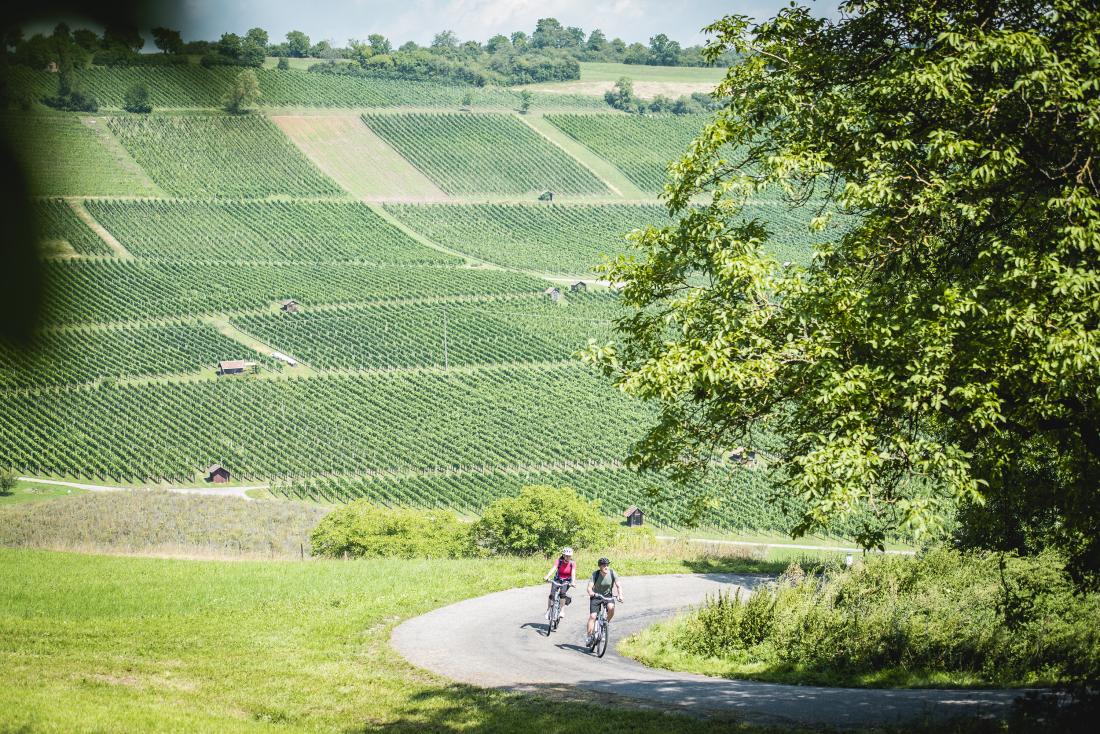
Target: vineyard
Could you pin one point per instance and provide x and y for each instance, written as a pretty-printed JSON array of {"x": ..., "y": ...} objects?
[
  {"x": 66, "y": 155},
  {"x": 205, "y": 156},
  {"x": 77, "y": 356},
  {"x": 480, "y": 153},
  {"x": 248, "y": 230},
  {"x": 59, "y": 223},
  {"x": 552, "y": 238},
  {"x": 426, "y": 421},
  {"x": 195, "y": 86},
  {"x": 106, "y": 291},
  {"x": 640, "y": 146}
]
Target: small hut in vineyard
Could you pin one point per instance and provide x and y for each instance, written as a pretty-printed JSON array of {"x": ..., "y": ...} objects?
[
  {"x": 633, "y": 516},
  {"x": 289, "y": 305},
  {"x": 217, "y": 474},
  {"x": 554, "y": 294}
]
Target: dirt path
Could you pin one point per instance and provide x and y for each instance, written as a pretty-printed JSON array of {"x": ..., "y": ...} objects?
[
  {"x": 499, "y": 641},
  {"x": 215, "y": 491}
]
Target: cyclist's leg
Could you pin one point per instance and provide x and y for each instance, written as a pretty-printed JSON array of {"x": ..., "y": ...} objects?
[
  {"x": 593, "y": 610},
  {"x": 610, "y": 610}
]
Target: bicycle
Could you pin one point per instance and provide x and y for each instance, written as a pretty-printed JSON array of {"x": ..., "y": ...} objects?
[
  {"x": 602, "y": 631},
  {"x": 559, "y": 590}
]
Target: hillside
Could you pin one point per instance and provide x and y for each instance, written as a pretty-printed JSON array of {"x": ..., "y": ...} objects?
[{"x": 432, "y": 363}]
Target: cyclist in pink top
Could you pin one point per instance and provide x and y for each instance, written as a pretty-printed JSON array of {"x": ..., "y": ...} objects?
[{"x": 563, "y": 570}]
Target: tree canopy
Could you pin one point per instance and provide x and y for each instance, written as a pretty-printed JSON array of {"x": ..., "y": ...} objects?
[{"x": 942, "y": 349}]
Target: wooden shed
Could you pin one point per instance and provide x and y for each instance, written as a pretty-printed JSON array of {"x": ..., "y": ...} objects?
[
  {"x": 232, "y": 366},
  {"x": 579, "y": 287},
  {"x": 217, "y": 474},
  {"x": 289, "y": 305},
  {"x": 633, "y": 516},
  {"x": 553, "y": 293}
]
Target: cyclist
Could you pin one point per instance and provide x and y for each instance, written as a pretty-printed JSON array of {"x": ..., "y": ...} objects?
[
  {"x": 563, "y": 570},
  {"x": 603, "y": 583}
]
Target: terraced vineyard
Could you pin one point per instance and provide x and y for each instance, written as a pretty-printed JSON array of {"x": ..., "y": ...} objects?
[
  {"x": 59, "y": 223},
  {"x": 640, "y": 146},
  {"x": 124, "y": 291},
  {"x": 67, "y": 155},
  {"x": 207, "y": 155},
  {"x": 426, "y": 421},
  {"x": 249, "y": 230},
  {"x": 77, "y": 356},
  {"x": 552, "y": 238},
  {"x": 483, "y": 153}
]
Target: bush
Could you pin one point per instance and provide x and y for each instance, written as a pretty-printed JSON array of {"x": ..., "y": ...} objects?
[
  {"x": 542, "y": 520},
  {"x": 7, "y": 481},
  {"x": 136, "y": 99},
  {"x": 361, "y": 529},
  {"x": 283, "y": 64}
]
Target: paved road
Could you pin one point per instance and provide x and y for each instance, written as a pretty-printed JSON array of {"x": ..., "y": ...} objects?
[
  {"x": 499, "y": 641},
  {"x": 220, "y": 492}
]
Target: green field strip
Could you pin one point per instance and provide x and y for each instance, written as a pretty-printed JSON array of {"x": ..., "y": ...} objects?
[
  {"x": 603, "y": 169},
  {"x": 472, "y": 153},
  {"x": 85, "y": 216},
  {"x": 346, "y": 150}
]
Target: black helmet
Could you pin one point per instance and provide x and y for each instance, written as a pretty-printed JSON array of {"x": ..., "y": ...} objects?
[{"x": 603, "y": 562}]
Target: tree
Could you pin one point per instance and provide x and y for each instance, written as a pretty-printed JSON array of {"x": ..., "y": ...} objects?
[
  {"x": 597, "y": 41},
  {"x": 542, "y": 520},
  {"x": 243, "y": 93},
  {"x": 663, "y": 51},
  {"x": 297, "y": 44},
  {"x": 525, "y": 98},
  {"x": 444, "y": 41},
  {"x": 379, "y": 44},
  {"x": 257, "y": 36},
  {"x": 123, "y": 37},
  {"x": 8, "y": 480},
  {"x": 621, "y": 96},
  {"x": 498, "y": 43},
  {"x": 136, "y": 99},
  {"x": 943, "y": 346},
  {"x": 283, "y": 64},
  {"x": 361, "y": 529},
  {"x": 167, "y": 40}
]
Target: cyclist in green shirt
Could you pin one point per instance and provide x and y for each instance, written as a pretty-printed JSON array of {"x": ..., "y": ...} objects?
[{"x": 603, "y": 583}]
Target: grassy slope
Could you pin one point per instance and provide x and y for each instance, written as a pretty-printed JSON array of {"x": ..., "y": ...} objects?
[
  {"x": 138, "y": 644},
  {"x": 595, "y": 71},
  {"x": 69, "y": 155},
  {"x": 345, "y": 149}
]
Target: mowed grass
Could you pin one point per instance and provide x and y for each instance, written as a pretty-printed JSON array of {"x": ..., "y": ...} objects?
[
  {"x": 94, "y": 643},
  {"x": 639, "y": 146},
  {"x": 220, "y": 156},
  {"x": 345, "y": 149},
  {"x": 552, "y": 238},
  {"x": 67, "y": 155},
  {"x": 483, "y": 154},
  {"x": 598, "y": 71}
]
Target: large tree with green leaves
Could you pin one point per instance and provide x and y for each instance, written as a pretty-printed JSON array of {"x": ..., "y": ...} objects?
[{"x": 944, "y": 349}]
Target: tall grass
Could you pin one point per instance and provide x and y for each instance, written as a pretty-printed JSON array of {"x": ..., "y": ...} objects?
[
  {"x": 945, "y": 618},
  {"x": 163, "y": 523}
]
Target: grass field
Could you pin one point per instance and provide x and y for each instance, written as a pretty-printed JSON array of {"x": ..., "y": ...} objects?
[
  {"x": 552, "y": 238},
  {"x": 140, "y": 644},
  {"x": 205, "y": 156},
  {"x": 67, "y": 155},
  {"x": 61, "y": 224},
  {"x": 484, "y": 153},
  {"x": 597, "y": 71},
  {"x": 349, "y": 153}
]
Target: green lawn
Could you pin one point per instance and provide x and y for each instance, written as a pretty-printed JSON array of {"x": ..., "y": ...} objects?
[
  {"x": 595, "y": 71},
  {"x": 25, "y": 492},
  {"x": 94, "y": 643}
]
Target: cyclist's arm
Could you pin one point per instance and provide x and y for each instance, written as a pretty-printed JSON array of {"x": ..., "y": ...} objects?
[
  {"x": 550, "y": 574},
  {"x": 617, "y": 591},
  {"x": 591, "y": 587}
]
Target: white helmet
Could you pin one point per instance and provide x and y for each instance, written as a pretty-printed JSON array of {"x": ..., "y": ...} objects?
[{"x": 567, "y": 551}]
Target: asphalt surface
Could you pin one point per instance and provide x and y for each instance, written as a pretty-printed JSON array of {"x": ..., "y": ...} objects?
[{"x": 500, "y": 641}]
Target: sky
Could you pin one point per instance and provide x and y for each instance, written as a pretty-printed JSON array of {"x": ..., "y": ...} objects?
[{"x": 420, "y": 20}]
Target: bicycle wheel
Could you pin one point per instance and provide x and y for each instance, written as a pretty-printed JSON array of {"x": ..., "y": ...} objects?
[
  {"x": 601, "y": 644},
  {"x": 555, "y": 616}
]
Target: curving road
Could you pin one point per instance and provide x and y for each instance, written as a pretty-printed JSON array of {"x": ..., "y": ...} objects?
[{"x": 499, "y": 641}]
